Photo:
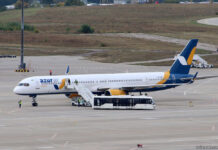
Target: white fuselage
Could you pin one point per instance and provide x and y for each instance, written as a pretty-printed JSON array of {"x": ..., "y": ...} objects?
[{"x": 45, "y": 84}]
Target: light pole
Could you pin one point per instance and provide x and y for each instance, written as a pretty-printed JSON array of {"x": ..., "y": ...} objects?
[{"x": 22, "y": 64}]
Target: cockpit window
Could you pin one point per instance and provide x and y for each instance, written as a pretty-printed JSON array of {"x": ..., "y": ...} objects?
[
  {"x": 24, "y": 84},
  {"x": 20, "y": 84}
]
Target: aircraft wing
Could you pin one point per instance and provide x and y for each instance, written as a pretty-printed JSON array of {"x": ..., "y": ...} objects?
[{"x": 138, "y": 87}]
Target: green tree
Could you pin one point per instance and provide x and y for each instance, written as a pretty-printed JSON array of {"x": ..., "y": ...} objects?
[
  {"x": 7, "y": 2},
  {"x": 74, "y": 2},
  {"x": 86, "y": 29},
  {"x": 171, "y": 1},
  {"x": 2, "y": 9},
  {"x": 18, "y": 4},
  {"x": 48, "y": 1}
]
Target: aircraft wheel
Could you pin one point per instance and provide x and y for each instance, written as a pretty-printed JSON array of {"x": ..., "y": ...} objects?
[{"x": 34, "y": 104}]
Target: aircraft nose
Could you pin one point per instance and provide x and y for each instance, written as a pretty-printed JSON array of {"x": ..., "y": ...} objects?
[{"x": 16, "y": 90}]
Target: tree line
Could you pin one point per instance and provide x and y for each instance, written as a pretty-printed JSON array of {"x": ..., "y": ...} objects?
[{"x": 28, "y": 3}]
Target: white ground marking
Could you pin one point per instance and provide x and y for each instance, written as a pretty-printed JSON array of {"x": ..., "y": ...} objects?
[
  {"x": 46, "y": 147},
  {"x": 150, "y": 118}
]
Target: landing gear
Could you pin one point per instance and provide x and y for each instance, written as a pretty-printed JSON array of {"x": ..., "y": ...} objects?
[{"x": 34, "y": 103}]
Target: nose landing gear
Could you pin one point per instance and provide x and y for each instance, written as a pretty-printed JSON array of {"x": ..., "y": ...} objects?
[{"x": 34, "y": 103}]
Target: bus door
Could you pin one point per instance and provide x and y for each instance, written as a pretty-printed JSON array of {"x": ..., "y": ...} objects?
[{"x": 131, "y": 101}]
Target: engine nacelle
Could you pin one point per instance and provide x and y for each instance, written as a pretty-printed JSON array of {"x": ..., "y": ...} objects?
[
  {"x": 115, "y": 92},
  {"x": 72, "y": 95}
]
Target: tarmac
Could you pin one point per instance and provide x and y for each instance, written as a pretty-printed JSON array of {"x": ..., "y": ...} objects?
[
  {"x": 186, "y": 118},
  {"x": 183, "y": 42}
]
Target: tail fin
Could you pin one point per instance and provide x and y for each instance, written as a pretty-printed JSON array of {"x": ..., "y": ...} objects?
[
  {"x": 68, "y": 69},
  {"x": 183, "y": 62}
]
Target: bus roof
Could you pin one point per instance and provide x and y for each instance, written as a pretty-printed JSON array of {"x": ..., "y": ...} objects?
[{"x": 124, "y": 96}]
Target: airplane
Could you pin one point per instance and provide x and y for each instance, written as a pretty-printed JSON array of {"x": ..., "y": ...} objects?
[{"x": 112, "y": 84}]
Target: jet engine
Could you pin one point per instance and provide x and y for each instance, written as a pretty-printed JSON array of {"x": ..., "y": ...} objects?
[
  {"x": 111, "y": 92},
  {"x": 72, "y": 95}
]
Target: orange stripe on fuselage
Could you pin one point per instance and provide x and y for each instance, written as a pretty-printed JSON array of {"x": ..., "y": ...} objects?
[
  {"x": 190, "y": 58},
  {"x": 165, "y": 78}
]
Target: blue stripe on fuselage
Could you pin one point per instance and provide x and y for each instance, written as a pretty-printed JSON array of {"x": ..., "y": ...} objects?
[
  {"x": 173, "y": 79},
  {"x": 179, "y": 78}
]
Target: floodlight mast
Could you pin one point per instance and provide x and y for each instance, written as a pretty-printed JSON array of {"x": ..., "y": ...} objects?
[{"x": 22, "y": 64}]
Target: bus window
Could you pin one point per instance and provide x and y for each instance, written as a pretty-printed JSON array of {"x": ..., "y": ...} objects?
[
  {"x": 98, "y": 102},
  {"x": 149, "y": 101}
]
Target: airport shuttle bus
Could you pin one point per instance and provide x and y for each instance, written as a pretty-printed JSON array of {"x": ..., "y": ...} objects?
[{"x": 123, "y": 102}]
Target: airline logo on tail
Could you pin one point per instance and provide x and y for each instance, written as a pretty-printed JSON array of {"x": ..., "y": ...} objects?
[{"x": 182, "y": 59}]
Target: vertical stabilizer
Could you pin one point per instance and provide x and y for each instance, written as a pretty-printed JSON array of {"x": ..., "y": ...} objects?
[{"x": 183, "y": 62}]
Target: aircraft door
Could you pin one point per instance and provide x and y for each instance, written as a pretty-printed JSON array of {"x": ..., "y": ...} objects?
[
  {"x": 67, "y": 82},
  {"x": 37, "y": 87}
]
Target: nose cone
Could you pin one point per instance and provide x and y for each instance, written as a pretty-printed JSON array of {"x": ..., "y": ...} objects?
[{"x": 16, "y": 90}]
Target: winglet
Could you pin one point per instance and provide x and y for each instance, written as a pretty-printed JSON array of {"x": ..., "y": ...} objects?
[{"x": 194, "y": 77}]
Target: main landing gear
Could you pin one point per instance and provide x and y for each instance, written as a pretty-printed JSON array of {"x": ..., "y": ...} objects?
[{"x": 34, "y": 103}]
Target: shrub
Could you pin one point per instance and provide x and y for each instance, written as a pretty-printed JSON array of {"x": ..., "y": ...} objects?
[
  {"x": 2, "y": 9},
  {"x": 60, "y": 4},
  {"x": 67, "y": 29},
  {"x": 171, "y": 1},
  {"x": 18, "y": 4},
  {"x": 29, "y": 28},
  {"x": 36, "y": 31},
  {"x": 13, "y": 26},
  {"x": 86, "y": 29},
  {"x": 74, "y": 2},
  {"x": 103, "y": 45}
]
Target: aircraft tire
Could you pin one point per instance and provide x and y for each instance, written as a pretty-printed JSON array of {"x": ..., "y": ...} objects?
[{"x": 34, "y": 104}]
